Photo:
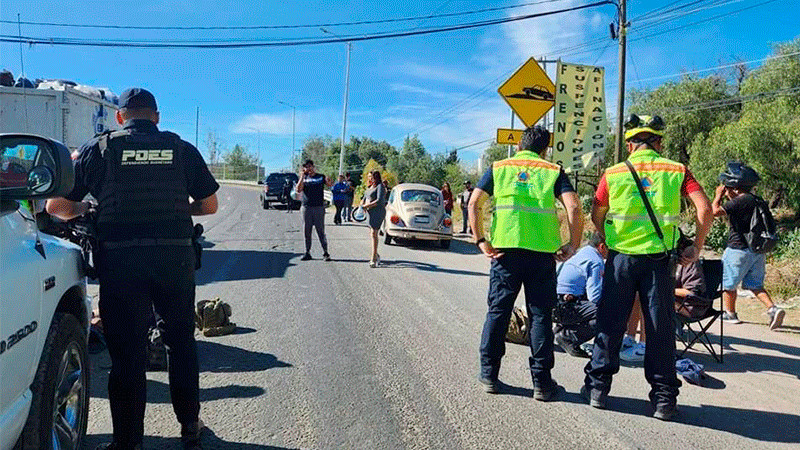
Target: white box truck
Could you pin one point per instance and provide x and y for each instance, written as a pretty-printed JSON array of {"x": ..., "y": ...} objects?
[{"x": 67, "y": 115}]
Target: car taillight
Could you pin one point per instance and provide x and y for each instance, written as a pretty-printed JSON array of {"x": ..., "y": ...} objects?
[
  {"x": 448, "y": 222},
  {"x": 395, "y": 219}
]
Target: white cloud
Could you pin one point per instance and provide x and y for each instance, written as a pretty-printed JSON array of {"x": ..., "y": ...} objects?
[
  {"x": 400, "y": 87},
  {"x": 451, "y": 75}
]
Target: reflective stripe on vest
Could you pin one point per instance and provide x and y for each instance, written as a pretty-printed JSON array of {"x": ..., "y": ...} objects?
[
  {"x": 628, "y": 227},
  {"x": 525, "y": 214}
]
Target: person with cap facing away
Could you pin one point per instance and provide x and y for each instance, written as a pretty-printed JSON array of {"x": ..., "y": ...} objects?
[
  {"x": 641, "y": 260},
  {"x": 523, "y": 247},
  {"x": 149, "y": 183}
]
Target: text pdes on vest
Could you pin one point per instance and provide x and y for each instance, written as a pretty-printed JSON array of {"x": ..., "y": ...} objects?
[{"x": 133, "y": 157}]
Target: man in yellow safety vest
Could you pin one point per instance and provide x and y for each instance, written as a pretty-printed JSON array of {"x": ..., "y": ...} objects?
[
  {"x": 639, "y": 261},
  {"x": 525, "y": 244}
]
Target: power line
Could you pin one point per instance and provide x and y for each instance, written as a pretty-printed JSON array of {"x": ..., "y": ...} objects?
[
  {"x": 734, "y": 100},
  {"x": 286, "y": 42},
  {"x": 284, "y": 27},
  {"x": 724, "y": 66}
]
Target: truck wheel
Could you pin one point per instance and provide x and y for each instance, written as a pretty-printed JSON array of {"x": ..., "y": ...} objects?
[
  {"x": 445, "y": 243},
  {"x": 60, "y": 404},
  {"x": 265, "y": 204}
]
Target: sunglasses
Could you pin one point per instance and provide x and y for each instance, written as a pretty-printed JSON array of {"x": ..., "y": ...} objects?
[{"x": 654, "y": 122}]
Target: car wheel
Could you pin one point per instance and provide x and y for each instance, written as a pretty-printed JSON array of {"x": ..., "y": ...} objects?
[
  {"x": 387, "y": 239},
  {"x": 265, "y": 204},
  {"x": 445, "y": 243},
  {"x": 60, "y": 404}
]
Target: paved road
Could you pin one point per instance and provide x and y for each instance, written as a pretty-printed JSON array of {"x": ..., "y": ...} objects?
[{"x": 338, "y": 355}]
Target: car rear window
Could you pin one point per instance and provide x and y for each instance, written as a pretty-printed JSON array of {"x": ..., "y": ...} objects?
[{"x": 420, "y": 196}]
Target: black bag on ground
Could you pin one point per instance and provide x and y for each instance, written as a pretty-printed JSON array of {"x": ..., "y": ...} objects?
[{"x": 763, "y": 235}]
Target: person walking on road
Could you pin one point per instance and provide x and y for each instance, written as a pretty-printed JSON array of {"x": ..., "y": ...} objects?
[
  {"x": 641, "y": 260},
  {"x": 739, "y": 263},
  {"x": 374, "y": 203},
  {"x": 339, "y": 198},
  {"x": 287, "y": 194},
  {"x": 463, "y": 202},
  {"x": 312, "y": 186},
  {"x": 447, "y": 197},
  {"x": 143, "y": 178},
  {"x": 525, "y": 244}
]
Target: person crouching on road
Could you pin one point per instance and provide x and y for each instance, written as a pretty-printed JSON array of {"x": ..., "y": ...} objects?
[
  {"x": 312, "y": 186},
  {"x": 639, "y": 261},
  {"x": 580, "y": 283},
  {"x": 525, "y": 244},
  {"x": 146, "y": 258},
  {"x": 374, "y": 202}
]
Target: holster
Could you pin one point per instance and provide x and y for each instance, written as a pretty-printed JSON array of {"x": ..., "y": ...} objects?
[{"x": 198, "y": 248}]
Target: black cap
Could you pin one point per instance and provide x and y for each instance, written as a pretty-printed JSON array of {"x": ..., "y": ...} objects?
[
  {"x": 137, "y": 98},
  {"x": 308, "y": 163}
]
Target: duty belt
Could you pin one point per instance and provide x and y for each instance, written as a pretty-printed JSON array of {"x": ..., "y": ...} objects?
[
  {"x": 571, "y": 298},
  {"x": 146, "y": 242}
]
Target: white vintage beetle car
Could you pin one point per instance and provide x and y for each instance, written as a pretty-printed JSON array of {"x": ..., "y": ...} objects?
[{"x": 416, "y": 211}]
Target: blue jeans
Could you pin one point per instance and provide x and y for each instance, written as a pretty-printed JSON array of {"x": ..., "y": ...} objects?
[
  {"x": 742, "y": 266},
  {"x": 535, "y": 271},
  {"x": 650, "y": 277}
]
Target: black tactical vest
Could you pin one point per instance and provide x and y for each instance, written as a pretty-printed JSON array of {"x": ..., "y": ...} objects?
[{"x": 144, "y": 193}]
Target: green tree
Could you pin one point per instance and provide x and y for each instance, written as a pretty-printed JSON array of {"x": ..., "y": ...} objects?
[
  {"x": 241, "y": 162},
  {"x": 495, "y": 152}
]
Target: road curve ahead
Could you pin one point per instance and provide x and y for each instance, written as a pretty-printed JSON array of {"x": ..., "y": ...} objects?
[{"x": 336, "y": 355}]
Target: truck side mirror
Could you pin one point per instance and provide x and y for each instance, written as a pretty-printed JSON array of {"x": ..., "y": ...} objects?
[{"x": 34, "y": 167}]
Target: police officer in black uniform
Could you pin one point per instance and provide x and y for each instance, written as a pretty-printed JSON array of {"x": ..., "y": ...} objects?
[{"x": 143, "y": 179}]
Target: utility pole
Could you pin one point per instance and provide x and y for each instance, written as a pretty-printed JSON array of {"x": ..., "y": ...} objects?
[
  {"x": 293, "y": 115},
  {"x": 346, "y": 95},
  {"x": 621, "y": 95},
  {"x": 512, "y": 127}
]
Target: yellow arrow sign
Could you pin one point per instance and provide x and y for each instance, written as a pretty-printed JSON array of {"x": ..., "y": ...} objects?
[
  {"x": 509, "y": 136},
  {"x": 529, "y": 92}
]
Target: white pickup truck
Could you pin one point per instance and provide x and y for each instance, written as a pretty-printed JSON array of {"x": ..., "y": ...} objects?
[{"x": 44, "y": 310}]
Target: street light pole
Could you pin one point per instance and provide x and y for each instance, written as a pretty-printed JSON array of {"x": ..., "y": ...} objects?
[{"x": 346, "y": 96}]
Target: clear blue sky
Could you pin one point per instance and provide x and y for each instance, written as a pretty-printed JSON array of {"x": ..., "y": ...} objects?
[{"x": 399, "y": 86}]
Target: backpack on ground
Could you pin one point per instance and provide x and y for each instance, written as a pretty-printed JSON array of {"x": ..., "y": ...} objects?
[
  {"x": 519, "y": 327},
  {"x": 763, "y": 235},
  {"x": 213, "y": 317}
]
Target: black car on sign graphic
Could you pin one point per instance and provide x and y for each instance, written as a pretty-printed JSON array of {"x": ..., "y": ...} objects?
[{"x": 537, "y": 92}]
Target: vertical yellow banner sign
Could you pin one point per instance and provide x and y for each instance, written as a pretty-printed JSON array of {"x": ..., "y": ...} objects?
[{"x": 580, "y": 129}]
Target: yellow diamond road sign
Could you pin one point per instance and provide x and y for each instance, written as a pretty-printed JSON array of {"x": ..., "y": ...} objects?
[{"x": 529, "y": 92}]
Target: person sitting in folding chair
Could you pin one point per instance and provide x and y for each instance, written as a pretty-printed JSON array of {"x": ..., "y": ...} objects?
[{"x": 690, "y": 287}]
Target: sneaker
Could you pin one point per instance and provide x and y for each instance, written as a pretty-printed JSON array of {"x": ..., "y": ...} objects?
[
  {"x": 594, "y": 397},
  {"x": 489, "y": 386},
  {"x": 776, "y": 316},
  {"x": 373, "y": 264},
  {"x": 633, "y": 354},
  {"x": 628, "y": 342},
  {"x": 665, "y": 411},
  {"x": 326, "y": 257},
  {"x": 306, "y": 257},
  {"x": 587, "y": 347},
  {"x": 569, "y": 347},
  {"x": 546, "y": 392},
  {"x": 730, "y": 317}
]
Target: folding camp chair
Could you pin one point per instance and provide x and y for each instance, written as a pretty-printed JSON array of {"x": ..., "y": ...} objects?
[{"x": 698, "y": 327}]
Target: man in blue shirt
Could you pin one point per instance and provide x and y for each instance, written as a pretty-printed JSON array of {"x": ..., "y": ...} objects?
[
  {"x": 580, "y": 283},
  {"x": 339, "y": 191}
]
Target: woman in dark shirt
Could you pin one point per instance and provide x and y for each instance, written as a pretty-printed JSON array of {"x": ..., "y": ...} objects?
[
  {"x": 447, "y": 196},
  {"x": 374, "y": 203}
]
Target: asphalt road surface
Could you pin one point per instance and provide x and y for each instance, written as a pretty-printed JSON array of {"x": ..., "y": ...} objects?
[{"x": 339, "y": 355}]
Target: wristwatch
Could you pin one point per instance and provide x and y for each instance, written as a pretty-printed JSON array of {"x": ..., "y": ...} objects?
[{"x": 478, "y": 242}]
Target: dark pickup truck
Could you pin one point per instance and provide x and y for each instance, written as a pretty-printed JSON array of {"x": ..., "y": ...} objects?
[{"x": 274, "y": 187}]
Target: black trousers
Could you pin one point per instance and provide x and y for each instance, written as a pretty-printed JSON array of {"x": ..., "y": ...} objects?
[
  {"x": 535, "y": 271},
  {"x": 651, "y": 277},
  {"x": 339, "y": 204},
  {"x": 584, "y": 324},
  {"x": 133, "y": 282}
]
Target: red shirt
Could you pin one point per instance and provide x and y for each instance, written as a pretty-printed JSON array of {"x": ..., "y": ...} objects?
[{"x": 689, "y": 185}]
